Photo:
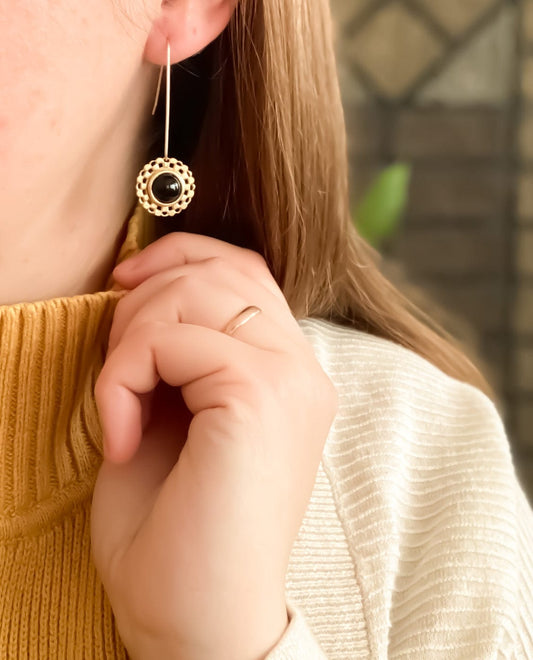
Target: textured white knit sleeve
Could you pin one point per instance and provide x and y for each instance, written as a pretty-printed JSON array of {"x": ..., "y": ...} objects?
[
  {"x": 439, "y": 531},
  {"x": 298, "y": 642},
  {"x": 524, "y": 636},
  {"x": 462, "y": 581}
]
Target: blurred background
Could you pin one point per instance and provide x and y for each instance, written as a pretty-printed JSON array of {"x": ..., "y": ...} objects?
[{"x": 444, "y": 90}]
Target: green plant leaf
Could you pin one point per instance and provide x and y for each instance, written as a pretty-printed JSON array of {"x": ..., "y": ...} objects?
[{"x": 380, "y": 211}]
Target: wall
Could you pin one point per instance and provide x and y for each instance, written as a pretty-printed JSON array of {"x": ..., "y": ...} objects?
[{"x": 448, "y": 87}]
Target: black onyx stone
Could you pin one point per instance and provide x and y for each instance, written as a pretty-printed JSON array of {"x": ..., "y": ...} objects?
[{"x": 166, "y": 188}]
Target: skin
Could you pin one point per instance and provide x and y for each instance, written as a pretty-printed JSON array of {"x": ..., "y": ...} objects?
[
  {"x": 211, "y": 442},
  {"x": 201, "y": 495},
  {"x": 78, "y": 81}
]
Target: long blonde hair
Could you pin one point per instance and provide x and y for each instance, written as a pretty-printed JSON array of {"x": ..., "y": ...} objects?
[{"x": 271, "y": 162}]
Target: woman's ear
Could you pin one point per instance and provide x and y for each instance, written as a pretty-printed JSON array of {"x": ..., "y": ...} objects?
[{"x": 188, "y": 25}]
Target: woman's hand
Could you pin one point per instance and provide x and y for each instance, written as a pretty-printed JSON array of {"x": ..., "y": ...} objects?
[{"x": 211, "y": 444}]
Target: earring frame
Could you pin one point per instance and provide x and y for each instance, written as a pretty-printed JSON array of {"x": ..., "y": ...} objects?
[{"x": 165, "y": 165}]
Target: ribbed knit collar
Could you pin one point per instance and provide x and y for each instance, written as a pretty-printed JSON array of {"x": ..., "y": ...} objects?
[{"x": 50, "y": 439}]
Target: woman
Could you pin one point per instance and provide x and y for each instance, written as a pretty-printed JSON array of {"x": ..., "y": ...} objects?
[{"x": 336, "y": 486}]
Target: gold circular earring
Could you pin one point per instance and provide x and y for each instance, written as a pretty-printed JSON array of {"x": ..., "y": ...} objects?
[{"x": 165, "y": 186}]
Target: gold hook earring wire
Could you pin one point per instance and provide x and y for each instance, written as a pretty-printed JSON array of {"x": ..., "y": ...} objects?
[
  {"x": 165, "y": 186},
  {"x": 167, "y": 100}
]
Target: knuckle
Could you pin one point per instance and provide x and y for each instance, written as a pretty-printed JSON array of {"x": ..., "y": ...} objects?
[
  {"x": 252, "y": 260},
  {"x": 99, "y": 386},
  {"x": 216, "y": 268},
  {"x": 246, "y": 405},
  {"x": 102, "y": 384},
  {"x": 146, "y": 330},
  {"x": 143, "y": 333},
  {"x": 258, "y": 262},
  {"x": 243, "y": 390},
  {"x": 184, "y": 285},
  {"x": 122, "y": 309},
  {"x": 216, "y": 262},
  {"x": 311, "y": 381},
  {"x": 255, "y": 258},
  {"x": 174, "y": 240}
]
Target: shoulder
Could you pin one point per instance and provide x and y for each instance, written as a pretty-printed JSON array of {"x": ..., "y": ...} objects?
[
  {"x": 381, "y": 380},
  {"x": 409, "y": 415},
  {"x": 424, "y": 482}
]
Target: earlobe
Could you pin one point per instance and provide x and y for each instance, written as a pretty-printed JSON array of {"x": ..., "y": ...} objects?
[{"x": 189, "y": 26}]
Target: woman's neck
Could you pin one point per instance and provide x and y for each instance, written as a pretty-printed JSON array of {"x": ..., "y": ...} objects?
[
  {"x": 60, "y": 234},
  {"x": 62, "y": 251}
]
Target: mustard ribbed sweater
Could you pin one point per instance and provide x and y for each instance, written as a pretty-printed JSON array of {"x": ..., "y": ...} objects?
[
  {"x": 52, "y": 604},
  {"x": 417, "y": 542}
]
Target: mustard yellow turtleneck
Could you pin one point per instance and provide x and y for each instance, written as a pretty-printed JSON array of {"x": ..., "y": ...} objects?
[{"x": 52, "y": 604}]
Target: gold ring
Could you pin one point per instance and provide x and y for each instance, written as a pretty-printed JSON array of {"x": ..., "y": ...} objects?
[{"x": 243, "y": 317}]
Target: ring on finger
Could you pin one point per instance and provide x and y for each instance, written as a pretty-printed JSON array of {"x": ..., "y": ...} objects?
[{"x": 243, "y": 317}]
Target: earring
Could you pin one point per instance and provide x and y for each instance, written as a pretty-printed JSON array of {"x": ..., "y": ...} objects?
[{"x": 165, "y": 186}]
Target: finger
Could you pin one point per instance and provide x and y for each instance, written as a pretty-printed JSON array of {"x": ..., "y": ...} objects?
[
  {"x": 179, "y": 354},
  {"x": 179, "y": 248},
  {"x": 205, "y": 293},
  {"x": 199, "y": 303}
]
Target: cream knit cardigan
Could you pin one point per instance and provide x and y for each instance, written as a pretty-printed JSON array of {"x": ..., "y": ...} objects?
[{"x": 418, "y": 541}]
